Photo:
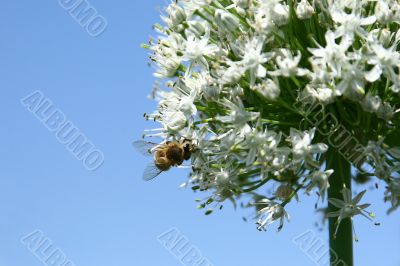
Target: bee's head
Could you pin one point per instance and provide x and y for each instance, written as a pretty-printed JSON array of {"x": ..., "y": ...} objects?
[{"x": 187, "y": 149}]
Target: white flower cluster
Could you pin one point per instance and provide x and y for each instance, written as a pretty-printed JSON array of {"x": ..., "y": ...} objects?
[{"x": 235, "y": 69}]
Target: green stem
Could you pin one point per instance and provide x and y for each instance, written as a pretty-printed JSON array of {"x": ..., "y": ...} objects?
[{"x": 341, "y": 247}]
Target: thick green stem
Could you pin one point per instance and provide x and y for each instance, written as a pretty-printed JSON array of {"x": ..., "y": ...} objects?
[{"x": 341, "y": 247}]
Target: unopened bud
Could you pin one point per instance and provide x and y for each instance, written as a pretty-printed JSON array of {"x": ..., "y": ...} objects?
[
  {"x": 226, "y": 21},
  {"x": 304, "y": 10},
  {"x": 197, "y": 28},
  {"x": 280, "y": 14},
  {"x": 385, "y": 37}
]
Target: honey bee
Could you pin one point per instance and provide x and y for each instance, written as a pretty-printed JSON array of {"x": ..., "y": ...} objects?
[{"x": 165, "y": 156}]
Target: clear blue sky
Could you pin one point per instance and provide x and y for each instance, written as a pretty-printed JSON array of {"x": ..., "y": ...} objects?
[{"x": 110, "y": 217}]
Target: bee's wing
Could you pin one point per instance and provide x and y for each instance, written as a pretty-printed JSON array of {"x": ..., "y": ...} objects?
[
  {"x": 150, "y": 172},
  {"x": 144, "y": 147}
]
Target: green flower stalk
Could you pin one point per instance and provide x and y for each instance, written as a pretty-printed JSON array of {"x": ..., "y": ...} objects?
[{"x": 280, "y": 99}]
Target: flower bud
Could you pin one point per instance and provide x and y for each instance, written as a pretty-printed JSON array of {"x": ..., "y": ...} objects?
[
  {"x": 280, "y": 14},
  {"x": 382, "y": 12},
  {"x": 231, "y": 74},
  {"x": 385, "y": 111},
  {"x": 284, "y": 191},
  {"x": 371, "y": 103},
  {"x": 197, "y": 28},
  {"x": 304, "y": 10},
  {"x": 211, "y": 92},
  {"x": 242, "y": 3},
  {"x": 176, "y": 13},
  {"x": 226, "y": 21},
  {"x": 237, "y": 91},
  {"x": 385, "y": 37},
  {"x": 241, "y": 6},
  {"x": 269, "y": 89}
]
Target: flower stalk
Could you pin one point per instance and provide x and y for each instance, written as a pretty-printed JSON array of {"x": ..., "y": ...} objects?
[{"x": 341, "y": 243}]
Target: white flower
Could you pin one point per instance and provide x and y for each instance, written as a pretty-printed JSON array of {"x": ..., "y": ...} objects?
[
  {"x": 270, "y": 214},
  {"x": 166, "y": 55},
  {"x": 332, "y": 55},
  {"x": 350, "y": 23},
  {"x": 385, "y": 11},
  {"x": 275, "y": 11},
  {"x": 321, "y": 180},
  {"x": 228, "y": 140},
  {"x": 173, "y": 120},
  {"x": 384, "y": 61},
  {"x": 231, "y": 74},
  {"x": 197, "y": 48},
  {"x": 268, "y": 89},
  {"x": 254, "y": 57},
  {"x": 262, "y": 23},
  {"x": 259, "y": 143},
  {"x": 288, "y": 64},
  {"x": 238, "y": 117},
  {"x": 352, "y": 81},
  {"x": 349, "y": 207},
  {"x": 322, "y": 94},
  {"x": 302, "y": 147},
  {"x": 187, "y": 105},
  {"x": 167, "y": 67},
  {"x": 280, "y": 159}
]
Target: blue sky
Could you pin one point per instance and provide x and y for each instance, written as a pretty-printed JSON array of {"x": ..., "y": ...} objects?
[{"x": 110, "y": 216}]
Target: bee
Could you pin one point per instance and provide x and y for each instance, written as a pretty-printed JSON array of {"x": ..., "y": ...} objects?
[{"x": 165, "y": 155}]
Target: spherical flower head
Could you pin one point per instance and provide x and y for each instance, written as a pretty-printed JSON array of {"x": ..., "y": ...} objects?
[{"x": 263, "y": 88}]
